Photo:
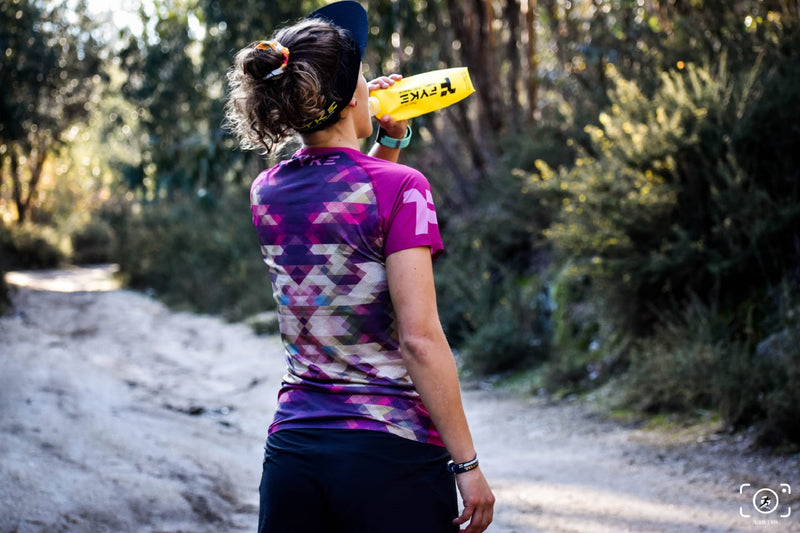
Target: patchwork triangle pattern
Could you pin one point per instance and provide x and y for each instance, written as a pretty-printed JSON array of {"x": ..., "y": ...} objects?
[{"x": 324, "y": 249}]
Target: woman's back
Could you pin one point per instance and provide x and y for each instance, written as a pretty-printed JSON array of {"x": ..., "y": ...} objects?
[{"x": 325, "y": 219}]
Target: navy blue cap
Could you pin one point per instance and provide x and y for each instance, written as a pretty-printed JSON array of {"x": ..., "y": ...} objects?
[
  {"x": 351, "y": 17},
  {"x": 347, "y": 15}
]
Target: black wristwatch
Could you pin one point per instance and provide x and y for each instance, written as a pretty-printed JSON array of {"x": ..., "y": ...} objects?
[
  {"x": 384, "y": 139},
  {"x": 461, "y": 468}
]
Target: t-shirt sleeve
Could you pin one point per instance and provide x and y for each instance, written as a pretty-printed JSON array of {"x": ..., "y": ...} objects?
[{"x": 409, "y": 214}]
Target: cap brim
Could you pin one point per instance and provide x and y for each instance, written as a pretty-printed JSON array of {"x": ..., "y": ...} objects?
[{"x": 350, "y": 16}]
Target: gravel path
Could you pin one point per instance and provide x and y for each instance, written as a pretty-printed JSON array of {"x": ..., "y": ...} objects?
[{"x": 119, "y": 415}]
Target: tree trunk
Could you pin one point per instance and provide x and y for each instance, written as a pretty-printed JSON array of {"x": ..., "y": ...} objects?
[
  {"x": 512, "y": 15},
  {"x": 532, "y": 85},
  {"x": 487, "y": 52},
  {"x": 16, "y": 186},
  {"x": 467, "y": 29},
  {"x": 2, "y": 169},
  {"x": 472, "y": 25},
  {"x": 36, "y": 164}
]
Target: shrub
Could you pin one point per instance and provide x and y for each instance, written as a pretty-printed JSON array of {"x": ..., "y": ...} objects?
[
  {"x": 676, "y": 221},
  {"x": 687, "y": 364},
  {"x": 578, "y": 358},
  {"x": 666, "y": 206},
  {"x": 492, "y": 300},
  {"x": 511, "y": 334},
  {"x": 779, "y": 357},
  {"x": 194, "y": 253},
  {"x": 677, "y": 367},
  {"x": 26, "y": 247},
  {"x": 782, "y": 398},
  {"x": 29, "y": 247},
  {"x": 93, "y": 243}
]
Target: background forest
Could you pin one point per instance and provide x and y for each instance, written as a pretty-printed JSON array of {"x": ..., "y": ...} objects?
[{"x": 620, "y": 199}]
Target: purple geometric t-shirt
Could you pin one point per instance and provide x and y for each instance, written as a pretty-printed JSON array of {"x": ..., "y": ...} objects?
[{"x": 327, "y": 219}]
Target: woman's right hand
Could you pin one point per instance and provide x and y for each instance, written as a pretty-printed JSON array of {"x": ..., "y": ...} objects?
[
  {"x": 395, "y": 129},
  {"x": 478, "y": 501}
]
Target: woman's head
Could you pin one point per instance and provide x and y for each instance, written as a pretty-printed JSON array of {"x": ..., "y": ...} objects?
[{"x": 271, "y": 98}]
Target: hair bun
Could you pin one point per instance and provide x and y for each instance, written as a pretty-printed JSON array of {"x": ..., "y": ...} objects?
[{"x": 269, "y": 60}]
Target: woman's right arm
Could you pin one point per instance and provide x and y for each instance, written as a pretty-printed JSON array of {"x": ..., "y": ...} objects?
[
  {"x": 394, "y": 128},
  {"x": 432, "y": 368}
]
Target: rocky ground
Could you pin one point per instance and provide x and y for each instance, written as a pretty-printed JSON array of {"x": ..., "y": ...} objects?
[{"x": 118, "y": 415}]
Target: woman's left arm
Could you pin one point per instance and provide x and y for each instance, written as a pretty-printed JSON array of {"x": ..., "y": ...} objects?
[{"x": 430, "y": 364}]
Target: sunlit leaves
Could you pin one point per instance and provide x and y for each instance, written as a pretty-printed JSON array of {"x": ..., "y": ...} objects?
[{"x": 51, "y": 67}]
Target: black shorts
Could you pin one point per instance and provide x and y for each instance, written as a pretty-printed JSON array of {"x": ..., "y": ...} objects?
[{"x": 354, "y": 481}]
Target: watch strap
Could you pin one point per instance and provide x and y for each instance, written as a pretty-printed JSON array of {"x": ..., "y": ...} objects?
[
  {"x": 390, "y": 142},
  {"x": 461, "y": 468}
]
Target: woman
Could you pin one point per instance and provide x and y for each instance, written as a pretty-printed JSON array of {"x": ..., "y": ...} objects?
[{"x": 369, "y": 418}]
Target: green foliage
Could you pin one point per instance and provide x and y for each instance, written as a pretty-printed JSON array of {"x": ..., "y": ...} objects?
[
  {"x": 576, "y": 330},
  {"x": 665, "y": 209},
  {"x": 687, "y": 365},
  {"x": 30, "y": 246},
  {"x": 50, "y": 67},
  {"x": 779, "y": 358},
  {"x": 92, "y": 243},
  {"x": 511, "y": 332},
  {"x": 683, "y": 366},
  {"x": 194, "y": 253},
  {"x": 492, "y": 301},
  {"x": 683, "y": 205},
  {"x": 175, "y": 77}
]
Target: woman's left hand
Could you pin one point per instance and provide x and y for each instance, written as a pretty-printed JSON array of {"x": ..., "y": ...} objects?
[{"x": 394, "y": 128}]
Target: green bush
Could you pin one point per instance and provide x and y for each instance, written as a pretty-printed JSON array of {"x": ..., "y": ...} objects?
[
  {"x": 673, "y": 225},
  {"x": 29, "y": 247},
  {"x": 512, "y": 333},
  {"x": 576, "y": 360},
  {"x": 193, "y": 253},
  {"x": 92, "y": 243},
  {"x": 686, "y": 365},
  {"x": 681, "y": 367},
  {"x": 26, "y": 247},
  {"x": 666, "y": 207},
  {"x": 783, "y": 396},
  {"x": 779, "y": 357},
  {"x": 492, "y": 301}
]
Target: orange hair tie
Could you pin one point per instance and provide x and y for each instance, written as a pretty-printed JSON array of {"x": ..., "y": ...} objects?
[{"x": 278, "y": 47}]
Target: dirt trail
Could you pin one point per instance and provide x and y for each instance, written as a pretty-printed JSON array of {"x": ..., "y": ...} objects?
[{"x": 119, "y": 415}]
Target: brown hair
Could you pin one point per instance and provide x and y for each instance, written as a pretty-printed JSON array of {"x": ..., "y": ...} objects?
[{"x": 264, "y": 113}]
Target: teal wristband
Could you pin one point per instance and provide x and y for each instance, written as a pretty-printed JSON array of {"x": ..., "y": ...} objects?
[{"x": 390, "y": 142}]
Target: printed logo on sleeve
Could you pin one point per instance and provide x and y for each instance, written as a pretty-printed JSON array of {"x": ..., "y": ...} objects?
[{"x": 426, "y": 213}]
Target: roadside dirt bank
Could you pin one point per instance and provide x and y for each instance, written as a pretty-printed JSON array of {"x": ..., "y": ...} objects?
[{"x": 118, "y": 415}]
